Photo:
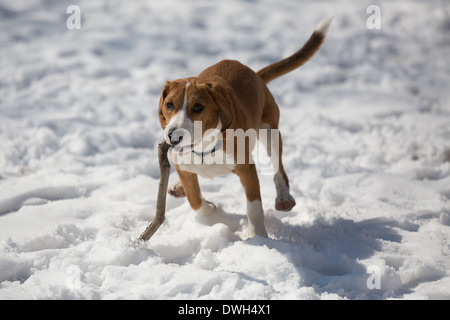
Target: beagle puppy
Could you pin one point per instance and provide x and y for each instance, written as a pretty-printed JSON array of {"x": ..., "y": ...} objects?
[{"x": 212, "y": 122}]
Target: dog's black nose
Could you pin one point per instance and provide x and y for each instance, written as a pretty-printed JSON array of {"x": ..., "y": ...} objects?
[{"x": 175, "y": 136}]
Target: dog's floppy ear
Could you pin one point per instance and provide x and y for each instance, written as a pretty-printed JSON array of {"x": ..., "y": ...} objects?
[
  {"x": 224, "y": 101},
  {"x": 167, "y": 87}
]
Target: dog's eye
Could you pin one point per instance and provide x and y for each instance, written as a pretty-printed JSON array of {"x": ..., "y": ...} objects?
[
  {"x": 198, "y": 108},
  {"x": 170, "y": 106}
]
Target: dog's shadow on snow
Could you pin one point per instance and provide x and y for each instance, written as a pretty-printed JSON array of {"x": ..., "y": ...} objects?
[
  {"x": 327, "y": 253},
  {"x": 342, "y": 236}
]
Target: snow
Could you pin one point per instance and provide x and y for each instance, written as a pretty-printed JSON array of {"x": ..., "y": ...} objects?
[{"x": 366, "y": 131}]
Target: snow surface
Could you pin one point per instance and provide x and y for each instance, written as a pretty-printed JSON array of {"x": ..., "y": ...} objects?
[{"x": 366, "y": 128}]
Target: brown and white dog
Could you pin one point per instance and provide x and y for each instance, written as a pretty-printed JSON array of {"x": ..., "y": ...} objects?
[{"x": 200, "y": 115}]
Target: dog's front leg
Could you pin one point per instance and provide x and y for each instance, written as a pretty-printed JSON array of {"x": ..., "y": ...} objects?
[
  {"x": 189, "y": 181},
  {"x": 255, "y": 213}
]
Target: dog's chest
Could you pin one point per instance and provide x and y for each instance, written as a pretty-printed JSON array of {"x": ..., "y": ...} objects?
[{"x": 208, "y": 166}]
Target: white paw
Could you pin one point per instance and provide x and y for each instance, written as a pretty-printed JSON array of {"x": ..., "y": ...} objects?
[
  {"x": 257, "y": 230},
  {"x": 206, "y": 209}
]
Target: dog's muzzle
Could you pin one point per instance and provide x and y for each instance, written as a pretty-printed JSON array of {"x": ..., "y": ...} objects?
[{"x": 175, "y": 136}]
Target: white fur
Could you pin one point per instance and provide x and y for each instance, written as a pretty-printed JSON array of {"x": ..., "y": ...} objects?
[
  {"x": 185, "y": 101},
  {"x": 281, "y": 186},
  {"x": 323, "y": 26},
  {"x": 206, "y": 209},
  {"x": 213, "y": 165},
  {"x": 255, "y": 215}
]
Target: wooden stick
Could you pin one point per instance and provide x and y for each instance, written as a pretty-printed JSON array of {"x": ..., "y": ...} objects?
[{"x": 164, "y": 168}]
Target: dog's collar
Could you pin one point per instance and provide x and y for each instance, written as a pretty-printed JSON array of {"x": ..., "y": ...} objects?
[{"x": 214, "y": 149}]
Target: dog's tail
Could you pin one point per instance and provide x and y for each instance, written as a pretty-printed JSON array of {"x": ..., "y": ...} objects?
[{"x": 284, "y": 66}]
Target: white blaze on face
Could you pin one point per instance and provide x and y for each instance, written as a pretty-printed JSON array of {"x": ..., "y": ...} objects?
[{"x": 181, "y": 123}]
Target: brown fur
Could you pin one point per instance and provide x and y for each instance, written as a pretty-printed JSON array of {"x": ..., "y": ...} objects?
[{"x": 294, "y": 61}]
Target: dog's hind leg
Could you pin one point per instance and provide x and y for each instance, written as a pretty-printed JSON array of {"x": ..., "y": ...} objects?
[{"x": 273, "y": 143}]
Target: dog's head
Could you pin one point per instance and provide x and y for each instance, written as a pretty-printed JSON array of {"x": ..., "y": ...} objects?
[{"x": 190, "y": 108}]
